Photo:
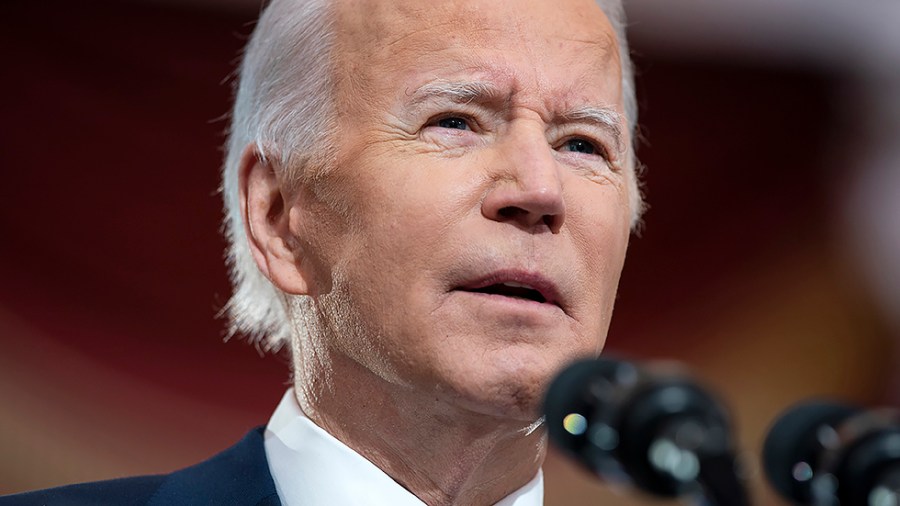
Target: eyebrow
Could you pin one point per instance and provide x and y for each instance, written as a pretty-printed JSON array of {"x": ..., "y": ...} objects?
[
  {"x": 458, "y": 92},
  {"x": 604, "y": 118}
]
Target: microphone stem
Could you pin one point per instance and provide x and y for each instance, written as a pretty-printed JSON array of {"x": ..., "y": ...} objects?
[{"x": 720, "y": 481}]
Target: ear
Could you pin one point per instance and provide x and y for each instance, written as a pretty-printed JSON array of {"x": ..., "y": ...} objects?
[{"x": 265, "y": 210}]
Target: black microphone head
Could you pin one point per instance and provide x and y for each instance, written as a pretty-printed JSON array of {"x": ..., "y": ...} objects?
[
  {"x": 628, "y": 425},
  {"x": 662, "y": 418},
  {"x": 795, "y": 443},
  {"x": 581, "y": 412}
]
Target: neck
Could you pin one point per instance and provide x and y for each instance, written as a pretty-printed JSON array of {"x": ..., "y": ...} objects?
[{"x": 442, "y": 453}]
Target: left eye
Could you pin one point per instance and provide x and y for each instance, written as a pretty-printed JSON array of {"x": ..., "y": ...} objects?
[{"x": 580, "y": 146}]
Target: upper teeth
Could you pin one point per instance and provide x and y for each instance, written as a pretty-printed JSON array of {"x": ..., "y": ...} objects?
[{"x": 515, "y": 285}]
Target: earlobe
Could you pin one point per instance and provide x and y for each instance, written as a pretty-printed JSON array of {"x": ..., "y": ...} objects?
[{"x": 265, "y": 210}]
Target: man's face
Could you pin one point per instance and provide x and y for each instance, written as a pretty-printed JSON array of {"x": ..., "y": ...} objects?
[{"x": 468, "y": 241}]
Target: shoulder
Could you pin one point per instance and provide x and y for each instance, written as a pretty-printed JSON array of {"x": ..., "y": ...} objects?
[
  {"x": 125, "y": 491},
  {"x": 239, "y": 475}
]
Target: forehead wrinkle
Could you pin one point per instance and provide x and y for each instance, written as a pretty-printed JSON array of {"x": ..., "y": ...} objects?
[
  {"x": 606, "y": 43},
  {"x": 420, "y": 29},
  {"x": 603, "y": 53}
]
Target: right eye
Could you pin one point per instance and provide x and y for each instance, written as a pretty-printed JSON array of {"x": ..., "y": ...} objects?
[{"x": 453, "y": 123}]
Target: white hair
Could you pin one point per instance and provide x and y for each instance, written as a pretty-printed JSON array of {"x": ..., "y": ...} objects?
[{"x": 283, "y": 106}]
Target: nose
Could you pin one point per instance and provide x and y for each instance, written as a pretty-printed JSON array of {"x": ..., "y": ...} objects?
[{"x": 527, "y": 189}]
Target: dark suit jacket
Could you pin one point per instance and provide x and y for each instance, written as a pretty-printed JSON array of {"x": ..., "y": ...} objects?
[{"x": 237, "y": 476}]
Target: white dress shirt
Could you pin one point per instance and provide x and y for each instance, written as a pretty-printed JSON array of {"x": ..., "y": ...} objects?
[{"x": 311, "y": 467}]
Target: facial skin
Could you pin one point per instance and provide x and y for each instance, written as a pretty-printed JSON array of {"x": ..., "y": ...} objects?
[{"x": 518, "y": 176}]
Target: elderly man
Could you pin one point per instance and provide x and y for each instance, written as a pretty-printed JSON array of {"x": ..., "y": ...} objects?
[{"x": 429, "y": 203}]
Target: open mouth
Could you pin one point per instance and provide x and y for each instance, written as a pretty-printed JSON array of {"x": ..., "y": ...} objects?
[
  {"x": 516, "y": 285},
  {"x": 513, "y": 290}
]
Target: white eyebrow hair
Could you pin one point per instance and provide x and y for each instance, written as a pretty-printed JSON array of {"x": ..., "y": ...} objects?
[
  {"x": 605, "y": 118},
  {"x": 459, "y": 92}
]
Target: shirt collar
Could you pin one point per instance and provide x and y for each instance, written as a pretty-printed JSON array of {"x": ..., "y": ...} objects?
[{"x": 311, "y": 467}]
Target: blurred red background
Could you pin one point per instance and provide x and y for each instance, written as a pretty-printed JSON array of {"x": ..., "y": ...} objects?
[{"x": 112, "y": 360}]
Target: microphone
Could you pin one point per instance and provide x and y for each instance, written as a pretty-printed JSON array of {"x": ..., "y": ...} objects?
[
  {"x": 824, "y": 454},
  {"x": 662, "y": 433}
]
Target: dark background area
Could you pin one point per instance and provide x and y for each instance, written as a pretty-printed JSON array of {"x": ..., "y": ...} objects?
[{"x": 112, "y": 359}]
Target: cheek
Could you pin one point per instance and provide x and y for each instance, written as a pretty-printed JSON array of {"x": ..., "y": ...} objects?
[
  {"x": 602, "y": 229},
  {"x": 411, "y": 209},
  {"x": 390, "y": 243}
]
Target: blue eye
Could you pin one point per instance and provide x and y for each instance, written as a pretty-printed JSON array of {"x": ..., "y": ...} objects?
[
  {"x": 580, "y": 146},
  {"x": 453, "y": 123}
]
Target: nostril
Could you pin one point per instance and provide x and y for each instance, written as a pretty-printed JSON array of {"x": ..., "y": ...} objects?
[{"x": 519, "y": 214}]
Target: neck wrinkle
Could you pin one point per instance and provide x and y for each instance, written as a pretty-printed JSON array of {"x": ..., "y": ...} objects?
[{"x": 442, "y": 454}]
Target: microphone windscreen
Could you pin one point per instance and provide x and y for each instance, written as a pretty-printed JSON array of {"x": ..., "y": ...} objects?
[
  {"x": 794, "y": 445},
  {"x": 570, "y": 405}
]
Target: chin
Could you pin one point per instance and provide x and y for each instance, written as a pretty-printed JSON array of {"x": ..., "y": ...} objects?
[{"x": 507, "y": 389}]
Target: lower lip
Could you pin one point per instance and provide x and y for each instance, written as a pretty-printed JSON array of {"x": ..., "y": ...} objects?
[{"x": 513, "y": 303}]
